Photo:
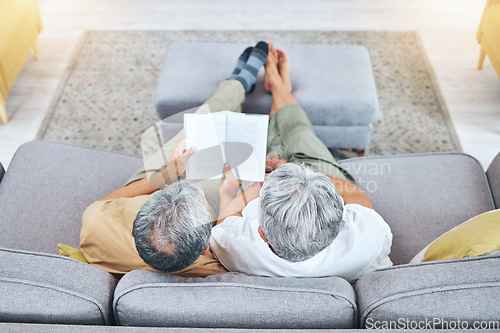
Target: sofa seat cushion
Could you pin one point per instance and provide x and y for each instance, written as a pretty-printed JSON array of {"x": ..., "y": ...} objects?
[
  {"x": 47, "y": 187},
  {"x": 422, "y": 196},
  {"x": 233, "y": 300},
  {"x": 466, "y": 289},
  {"x": 45, "y": 288}
]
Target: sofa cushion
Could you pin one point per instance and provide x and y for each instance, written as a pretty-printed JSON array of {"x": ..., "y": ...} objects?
[
  {"x": 493, "y": 174},
  {"x": 464, "y": 289},
  {"x": 2, "y": 172},
  {"x": 45, "y": 288},
  {"x": 48, "y": 186},
  {"x": 478, "y": 236},
  {"x": 421, "y": 196},
  {"x": 233, "y": 300}
]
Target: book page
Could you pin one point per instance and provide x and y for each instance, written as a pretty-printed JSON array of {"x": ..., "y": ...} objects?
[
  {"x": 206, "y": 132},
  {"x": 251, "y": 130}
]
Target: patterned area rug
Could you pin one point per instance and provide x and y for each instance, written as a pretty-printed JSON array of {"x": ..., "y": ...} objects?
[{"x": 106, "y": 100}]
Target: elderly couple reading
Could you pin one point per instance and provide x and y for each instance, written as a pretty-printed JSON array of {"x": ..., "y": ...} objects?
[{"x": 307, "y": 219}]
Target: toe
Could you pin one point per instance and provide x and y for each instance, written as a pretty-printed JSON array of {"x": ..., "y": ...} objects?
[
  {"x": 272, "y": 57},
  {"x": 282, "y": 57}
]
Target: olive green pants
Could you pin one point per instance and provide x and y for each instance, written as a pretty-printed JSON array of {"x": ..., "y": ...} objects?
[{"x": 290, "y": 134}]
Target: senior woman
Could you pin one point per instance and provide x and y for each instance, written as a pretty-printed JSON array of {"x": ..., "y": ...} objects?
[{"x": 308, "y": 218}]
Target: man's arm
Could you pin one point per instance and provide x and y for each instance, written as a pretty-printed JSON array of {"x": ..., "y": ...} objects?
[{"x": 350, "y": 192}]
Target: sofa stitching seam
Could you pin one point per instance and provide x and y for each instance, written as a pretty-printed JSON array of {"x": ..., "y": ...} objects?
[
  {"x": 437, "y": 262},
  {"x": 406, "y": 156},
  {"x": 40, "y": 254}
]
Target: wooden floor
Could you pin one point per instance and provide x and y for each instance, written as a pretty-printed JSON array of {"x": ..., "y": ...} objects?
[{"x": 447, "y": 28}]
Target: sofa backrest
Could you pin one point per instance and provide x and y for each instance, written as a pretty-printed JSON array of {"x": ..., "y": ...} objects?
[
  {"x": 48, "y": 186},
  {"x": 421, "y": 196},
  {"x": 2, "y": 172},
  {"x": 493, "y": 174}
]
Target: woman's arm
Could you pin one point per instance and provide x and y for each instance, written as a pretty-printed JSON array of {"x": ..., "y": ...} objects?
[
  {"x": 140, "y": 187},
  {"x": 164, "y": 176},
  {"x": 230, "y": 204},
  {"x": 350, "y": 192},
  {"x": 234, "y": 206}
]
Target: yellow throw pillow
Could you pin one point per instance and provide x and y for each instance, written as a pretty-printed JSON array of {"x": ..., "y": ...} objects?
[
  {"x": 71, "y": 252},
  {"x": 477, "y": 236}
]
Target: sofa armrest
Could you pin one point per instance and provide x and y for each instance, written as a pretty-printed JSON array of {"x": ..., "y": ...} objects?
[
  {"x": 2, "y": 172},
  {"x": 466, "y": 289},
  {"x": 234, "y": 300},
  {"x": 51, "y": 289},
  {"x": 493, "y": 175}
]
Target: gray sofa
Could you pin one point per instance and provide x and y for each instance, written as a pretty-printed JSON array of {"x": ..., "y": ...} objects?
[{"x": 48, "y": 186}]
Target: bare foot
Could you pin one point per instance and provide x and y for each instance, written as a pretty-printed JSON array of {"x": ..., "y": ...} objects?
[
  {"x": 284, "y": 69},
  {"x": 271, "y": 67}
]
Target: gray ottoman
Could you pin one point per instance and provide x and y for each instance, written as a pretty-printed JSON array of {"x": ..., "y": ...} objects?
[{"x": 333, "y": 83}]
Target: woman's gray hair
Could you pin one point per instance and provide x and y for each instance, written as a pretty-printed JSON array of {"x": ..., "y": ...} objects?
[
  {"x": 301, "y": 212},
  {"x": 172, "y": 228}
]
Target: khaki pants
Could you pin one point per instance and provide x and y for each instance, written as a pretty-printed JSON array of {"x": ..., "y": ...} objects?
[{"x": 290, "y": 134}]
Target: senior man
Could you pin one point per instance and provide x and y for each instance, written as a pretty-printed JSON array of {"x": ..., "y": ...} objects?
[{"x": 299, "y": 223}]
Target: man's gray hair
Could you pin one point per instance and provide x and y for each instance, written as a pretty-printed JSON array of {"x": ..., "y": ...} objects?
[
  {"x": 301, "y": 212},
  {"x": 173, "y": 228}
]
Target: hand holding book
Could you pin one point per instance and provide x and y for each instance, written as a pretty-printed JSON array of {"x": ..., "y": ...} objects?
[{"x": 229, "y": 185}]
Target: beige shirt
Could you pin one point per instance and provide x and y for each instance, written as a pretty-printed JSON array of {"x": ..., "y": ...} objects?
[{"x": 106, "y": 239}]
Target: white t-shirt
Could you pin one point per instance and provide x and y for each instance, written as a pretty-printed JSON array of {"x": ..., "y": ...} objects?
[{"x": 362, "y": 245}]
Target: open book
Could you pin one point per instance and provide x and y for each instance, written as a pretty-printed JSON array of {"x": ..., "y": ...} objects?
[{"x": 219, "y": 137}]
